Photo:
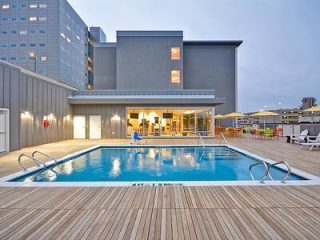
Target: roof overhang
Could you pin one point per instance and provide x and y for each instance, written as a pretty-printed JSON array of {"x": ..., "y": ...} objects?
[
  {"x": 148, "y": 100},
  {"x": 147, "y": 97}
]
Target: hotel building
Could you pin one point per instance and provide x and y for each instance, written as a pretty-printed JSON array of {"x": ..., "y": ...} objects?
[{"x": 47, "y": 37}]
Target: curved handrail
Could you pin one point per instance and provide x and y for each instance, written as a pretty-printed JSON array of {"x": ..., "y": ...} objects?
[
  {"x": 265, "y": 174},
  {"x": 283, "y": 180},
  {"x": 224, "y": 138},
  {"x": 41, "y": 153},
  {"x": 38, "y": 162}
]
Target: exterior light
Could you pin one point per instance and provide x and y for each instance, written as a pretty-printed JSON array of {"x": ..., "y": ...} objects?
[
  {"x": 68, "y": 117},
  {"x": 25, "y": 115},
  {"x": 89, "y": 86},
  {"x": 116, "y": 117}
]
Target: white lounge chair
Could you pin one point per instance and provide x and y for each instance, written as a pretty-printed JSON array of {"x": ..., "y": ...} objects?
[
  {"x": 311, "y": 142},
  {"x": 301, "y": 138}
]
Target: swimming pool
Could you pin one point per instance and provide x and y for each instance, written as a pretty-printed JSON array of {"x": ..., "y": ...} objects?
[{"x": 155, "y": 164}]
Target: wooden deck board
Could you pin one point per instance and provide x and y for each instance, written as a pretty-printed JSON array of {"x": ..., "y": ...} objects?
[{"x": 194, "y": 213}]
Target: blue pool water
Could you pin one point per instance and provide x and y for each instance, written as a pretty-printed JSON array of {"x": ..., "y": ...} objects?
[{"x": 155, "y": 164}]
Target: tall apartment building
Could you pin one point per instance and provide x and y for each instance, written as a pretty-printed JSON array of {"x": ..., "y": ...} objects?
[{"x": 47, "y": 37}]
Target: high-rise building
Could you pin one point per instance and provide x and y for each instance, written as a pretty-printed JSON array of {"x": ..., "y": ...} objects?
[{"x": 47, "y": 37}]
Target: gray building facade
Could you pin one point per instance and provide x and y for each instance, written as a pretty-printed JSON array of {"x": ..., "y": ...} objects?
[
  {"x": 47, "y": 37},
  {"x": 152, "y": 82},
  {"x": 142, "y": 60},
  {"x": 30, "y": 99}
]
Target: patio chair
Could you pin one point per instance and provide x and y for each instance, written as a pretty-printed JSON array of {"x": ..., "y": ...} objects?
[
  {"x": 135, "y": 138},
  {"x": 269, "y": 133},
  {"x": 311, "y": 142},
  {"x": 301, "y": 138}
]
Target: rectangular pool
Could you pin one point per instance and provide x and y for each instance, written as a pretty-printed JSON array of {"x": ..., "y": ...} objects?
[{"x": 155, "y": 164}]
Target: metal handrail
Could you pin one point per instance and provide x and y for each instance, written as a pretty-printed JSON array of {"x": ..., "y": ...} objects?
[
  {"x": 224, "y": 138},
  {"x": 266, "y": 172},
  {"x": 36, "y": 161},
  {"x": 283, "y": 180},
  {"x": 41, "y": 153},
  {"x": 200, "y": 141}
]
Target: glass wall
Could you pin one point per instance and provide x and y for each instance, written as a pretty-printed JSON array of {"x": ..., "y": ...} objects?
[{"x": 167, "y": 122}]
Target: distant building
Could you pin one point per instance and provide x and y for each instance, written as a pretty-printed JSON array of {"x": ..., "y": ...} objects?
[
  {"x": 286, "y": 116},
  {"x": 47, "y": 37}
]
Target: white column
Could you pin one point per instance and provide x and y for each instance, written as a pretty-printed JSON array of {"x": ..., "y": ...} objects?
[{"x": 213, "y": 122}]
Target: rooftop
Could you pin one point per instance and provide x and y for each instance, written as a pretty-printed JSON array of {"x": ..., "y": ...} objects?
[{"x": 247, "y": 212}]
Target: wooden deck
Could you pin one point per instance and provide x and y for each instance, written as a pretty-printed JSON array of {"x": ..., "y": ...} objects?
[
  {"x": 240, "y": 212},
  {"x": 161, "y": 213}
]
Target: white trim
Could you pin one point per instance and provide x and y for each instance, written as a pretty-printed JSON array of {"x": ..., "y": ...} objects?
[
  {"x": 313, "y": 180},
  {"x": 7, "y": 127}
]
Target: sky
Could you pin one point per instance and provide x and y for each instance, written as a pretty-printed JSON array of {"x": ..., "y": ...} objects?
[{"x": 278, "y": 62}]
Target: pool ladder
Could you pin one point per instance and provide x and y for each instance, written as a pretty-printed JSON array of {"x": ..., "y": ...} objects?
[
  {"x": 267, "y": 167},
  {"x": 38, "y": 162},
  {"x": 205, "y": 150}
]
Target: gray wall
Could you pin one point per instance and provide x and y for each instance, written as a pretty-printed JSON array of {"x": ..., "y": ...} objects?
[
  {"x": 144, "y": 62},
  {"x": 21, "y": 91},
  {"x": 212, "y": 67},
  {"x": 106, "y": 112},
  {"x": 104, "y": 67},
  {"x": 66, "y": 61}
]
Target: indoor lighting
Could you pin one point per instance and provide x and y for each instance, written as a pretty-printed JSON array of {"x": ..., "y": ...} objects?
[{"x": 188, "y": 112}]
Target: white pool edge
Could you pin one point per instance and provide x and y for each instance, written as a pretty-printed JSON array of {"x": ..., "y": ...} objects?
[{"x": 4, "y": 181}]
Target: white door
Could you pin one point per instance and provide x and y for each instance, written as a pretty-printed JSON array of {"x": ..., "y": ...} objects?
[
  {"x": 79, "y": 127},
  {"x": 95, "y": 127}
]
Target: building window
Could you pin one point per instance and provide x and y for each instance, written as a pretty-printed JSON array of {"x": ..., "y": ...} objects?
[
  {"x": 13, "y": 58},
  {"x": 4, "y": 58},
  {"x": 42, "y": 31},
  {"x": 42, "y": 45},
  {"x": 43, "y": 5},
  {"x": 32, "y": 19},
  {"x": 14, "y": 19},
  {"x": 43, "y": 58},
  {"x": 23, "y": 32},
  {"x": 4, "y": 32},
  {"x": 175, "y": 76},
  {"x": 23, "y": 45},
  {"x": 33, "y": 5},
  {"x": 175, "y": 53},
  {"x": 23, "y": 5},
  {"x": 23, "y": 19},
  {"x": 5, "y": 6},
  {"x": 32, "y": 31},
  {"x": 13, "y": 32},
  {"x": 4, "y": 45},
  {"x": 13, "y": 45},
  {"x": 4, "y": 19},
  {"x": 23, "y": 58},
  {"x": 42, "y": 19},
  {"x": 33, "y": 45},
  {"x": 14, "y": 5}
]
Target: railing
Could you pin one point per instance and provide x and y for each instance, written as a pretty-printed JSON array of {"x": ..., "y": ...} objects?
[
  {"x": 265, "y": 174},
  {"x": 224, "y": 138},
  {"x": 41, "y": 153},
  {"x": 283, "y": 180},
  {"x": 267, "y": 167},
  {"x": 36, "y": 161}
]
